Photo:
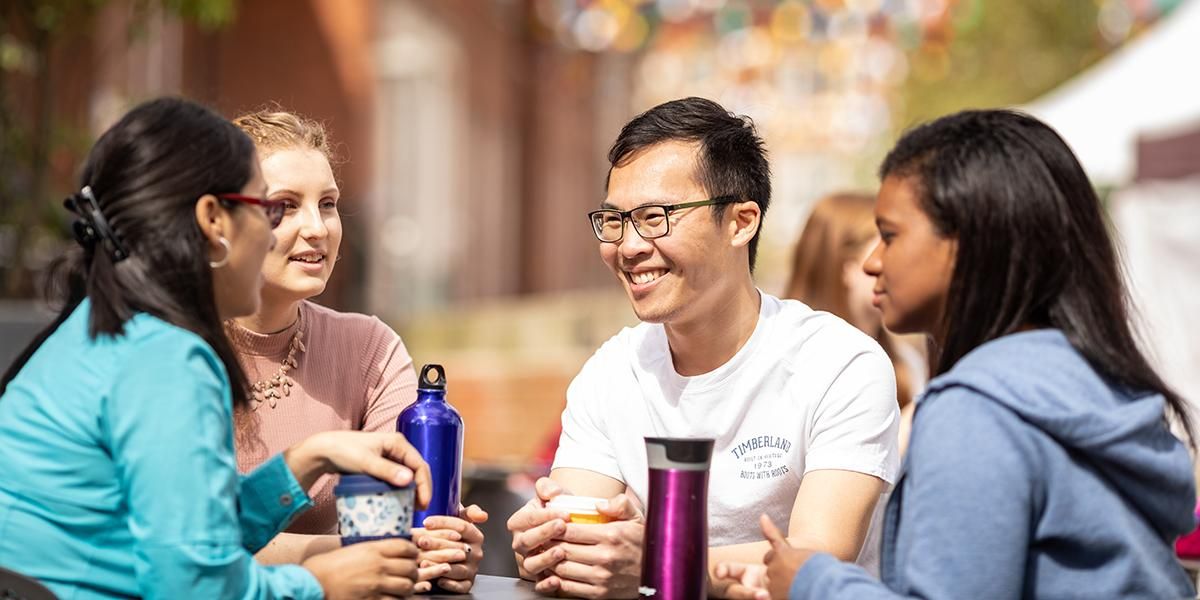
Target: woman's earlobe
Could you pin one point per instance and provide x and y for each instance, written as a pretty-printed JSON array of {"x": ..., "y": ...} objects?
[{"x": 209, "y": 217}]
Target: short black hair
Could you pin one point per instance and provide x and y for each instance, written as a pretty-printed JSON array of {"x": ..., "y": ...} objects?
[{"x": 733, "y": 158}]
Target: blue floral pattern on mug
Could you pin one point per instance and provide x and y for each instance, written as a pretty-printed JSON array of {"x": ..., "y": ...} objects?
[{"x": 381, "y": 514}]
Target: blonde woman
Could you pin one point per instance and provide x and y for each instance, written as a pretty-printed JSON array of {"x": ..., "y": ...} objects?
[
  {"x": 827, "y": 275},
  {"x": 314, "y": 369}
]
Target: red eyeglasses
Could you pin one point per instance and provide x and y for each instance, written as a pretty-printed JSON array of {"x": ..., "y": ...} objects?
[{"x": 273, "y": 208}]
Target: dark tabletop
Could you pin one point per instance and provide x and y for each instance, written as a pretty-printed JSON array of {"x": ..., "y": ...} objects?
[{"x": 492, "y": 587}]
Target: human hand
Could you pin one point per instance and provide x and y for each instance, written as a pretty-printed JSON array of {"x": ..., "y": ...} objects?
[
  {"x": 743, "y": 581},
  {"x": 454, "y": 543},
  {"x": 534, "y": 525},
  {"x": 445, "y": 542},
  {"x": 381, "y": 569},
  {"x": 385, "y": 456},
  {"x": 783, "y": 561},
  {"x": 595, "y": 560}
]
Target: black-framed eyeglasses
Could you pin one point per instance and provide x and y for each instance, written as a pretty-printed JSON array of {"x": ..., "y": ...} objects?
[
  {"x": 650, "y": 221},
  {"x": 274, "y": 209}
]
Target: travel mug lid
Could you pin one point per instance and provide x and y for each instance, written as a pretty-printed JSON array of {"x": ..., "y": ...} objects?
[
  {"x": 684, "y": 454},
  {"x": 437, "y": 372},
  {"x": 576, "y": 503},
  {"x": 354, "y": 484}
]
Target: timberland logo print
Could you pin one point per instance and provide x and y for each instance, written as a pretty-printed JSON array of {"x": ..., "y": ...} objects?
[{"x": 762, "y": 457}]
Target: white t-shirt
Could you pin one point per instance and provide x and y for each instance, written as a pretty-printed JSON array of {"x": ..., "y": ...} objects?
[{"x": 807, "y": 392}]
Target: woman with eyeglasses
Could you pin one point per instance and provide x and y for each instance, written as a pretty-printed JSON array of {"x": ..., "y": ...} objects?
[
  {"x": 315, "y": 369},
  {"x": 117, "y": 469}
]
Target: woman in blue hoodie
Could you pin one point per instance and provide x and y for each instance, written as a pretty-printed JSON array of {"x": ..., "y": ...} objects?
[{"x": 1040, "y": 463}]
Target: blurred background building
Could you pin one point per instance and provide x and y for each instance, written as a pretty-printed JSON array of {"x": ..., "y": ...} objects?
[{"x": 473, "y": 134}]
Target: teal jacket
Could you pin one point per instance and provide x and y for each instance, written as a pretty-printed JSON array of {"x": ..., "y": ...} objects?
[{"x": 118, "y": 476}]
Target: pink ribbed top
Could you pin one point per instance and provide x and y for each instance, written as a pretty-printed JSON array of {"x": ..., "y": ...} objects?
[{"x": 354, "y": 374}]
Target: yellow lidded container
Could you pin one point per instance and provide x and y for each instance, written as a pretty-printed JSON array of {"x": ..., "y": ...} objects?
[{"x": 582, "y": 509}]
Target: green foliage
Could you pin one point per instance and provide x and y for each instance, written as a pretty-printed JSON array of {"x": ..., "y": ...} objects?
[
  {"x": 208, "y": 14},
  {"x": 32, "y": 135},
  {"x": 1001, "y": 53},
  {"x": 15, "y": 56}
]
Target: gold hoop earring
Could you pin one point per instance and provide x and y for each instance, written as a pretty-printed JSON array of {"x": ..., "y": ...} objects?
[{"x": 225, "y": 259}]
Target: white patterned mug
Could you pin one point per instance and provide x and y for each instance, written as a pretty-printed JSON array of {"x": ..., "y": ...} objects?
[{"x": 371, "y": 509}]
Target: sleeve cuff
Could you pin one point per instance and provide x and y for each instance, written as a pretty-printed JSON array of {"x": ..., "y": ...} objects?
[
  {"x": 806, "y": 578},
  {"x": 270, "y": 498},
  {"x": 300, "y": 584},
  {"x": 573, "y": 460},
  {"x": 877, "y": 468}
]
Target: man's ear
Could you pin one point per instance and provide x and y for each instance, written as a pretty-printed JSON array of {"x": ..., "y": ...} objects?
[{"x": 747, "y": 218}]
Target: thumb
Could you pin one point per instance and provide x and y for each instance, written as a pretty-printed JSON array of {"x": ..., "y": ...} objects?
[
  {"x": 619, "y": 508},
  {"x": 412, "y": 466},
  {"x": 548, "y": 488},
  {"x": 772, "y": 533},
  {"x": 473, "y": 514}
]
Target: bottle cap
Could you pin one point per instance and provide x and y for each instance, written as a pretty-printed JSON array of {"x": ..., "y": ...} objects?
[{"x": 433, "y": 377}]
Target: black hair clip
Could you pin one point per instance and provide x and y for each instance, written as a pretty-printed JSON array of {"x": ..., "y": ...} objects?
[
  {"x": 84, "y": 234},
  {"x": 92, "y": 227}
]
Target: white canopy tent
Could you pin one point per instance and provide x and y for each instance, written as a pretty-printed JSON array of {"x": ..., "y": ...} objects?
[
  {"x": 1149, "y": 86},
  {"x": 1147, "y": 89},
  {"x": 1157, "y": 223}
]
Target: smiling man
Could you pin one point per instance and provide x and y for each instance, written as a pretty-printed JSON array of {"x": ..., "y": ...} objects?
[{"x": 802, "y": 406}]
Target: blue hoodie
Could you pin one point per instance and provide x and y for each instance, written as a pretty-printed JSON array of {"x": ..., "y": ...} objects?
[{"x": 1028, "y": 476}]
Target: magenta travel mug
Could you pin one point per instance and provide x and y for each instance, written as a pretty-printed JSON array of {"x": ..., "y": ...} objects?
[{"x": 675, "y": 549}]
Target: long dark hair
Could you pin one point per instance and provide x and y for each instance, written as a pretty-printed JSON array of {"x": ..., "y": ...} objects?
[
  {"x": 732, "y": 161},
  {"x": 1033, "y": 245},
  {"x": 143, "y": 178}
]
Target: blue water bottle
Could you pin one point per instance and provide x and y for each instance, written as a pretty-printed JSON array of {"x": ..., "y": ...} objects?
[{"x": 435, "y": 429}]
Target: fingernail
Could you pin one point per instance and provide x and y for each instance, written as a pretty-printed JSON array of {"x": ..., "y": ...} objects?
[{"x": 403, "y": 475}]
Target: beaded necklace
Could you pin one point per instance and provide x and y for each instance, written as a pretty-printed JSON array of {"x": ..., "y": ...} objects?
[{"x": 280, "y": 385}]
